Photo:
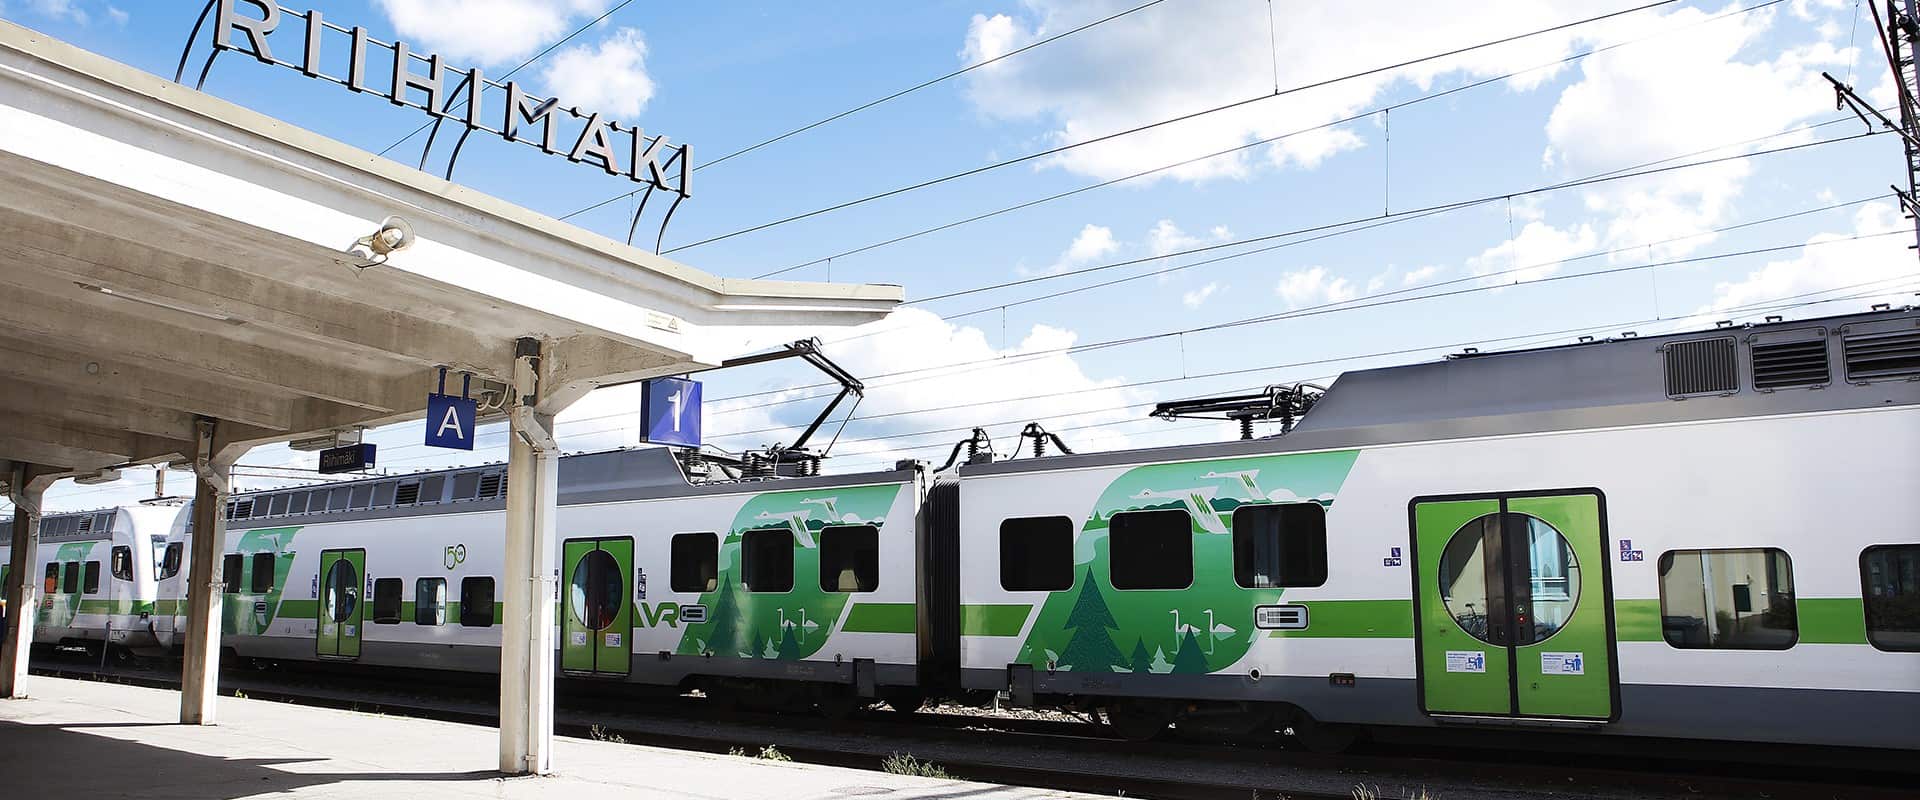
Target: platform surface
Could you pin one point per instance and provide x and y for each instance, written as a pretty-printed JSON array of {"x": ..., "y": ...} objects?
[{"x": 97, "y": 740}]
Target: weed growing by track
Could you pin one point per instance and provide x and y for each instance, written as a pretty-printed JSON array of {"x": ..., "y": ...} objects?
[{"x": 907, "y": 764}]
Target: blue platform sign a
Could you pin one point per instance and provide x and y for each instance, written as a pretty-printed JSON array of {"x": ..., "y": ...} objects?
[
  {"x": 450, "y": 421},
  {"x": 670, "y": 412}
]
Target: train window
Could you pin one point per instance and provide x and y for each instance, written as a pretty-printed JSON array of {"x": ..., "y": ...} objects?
[
  {"x": 70, "y": 577},
  {"x": 230, "y": 567},
  {"x": 476, "y": 602},
  {"x": 337, "y": 498},
  {"x": 695, "y": 562},
  {"x": 1280, "y": 545},
  {"x": 383, "y": 495},
  {"x": 362, "y": 497},
  {"x": 1728, "y": 599},
  {"x": 52, "y": 584},
  {"x": 1150, "y": 549},
  {"x": 122, "y": 563},
  {"x": 849, "y": 558},
  {"x": 261, "y": 579},
  {"x": 91, "y": 583},
  {"x": 1890, "y": 587},
  {"x": 170, "y": 563},
  {"x": 297, "y": 502},
  {"x": 466, "y": 485},
  {"x": 386, "y": 600},
  {"x": 766, "y": 559},
  {"x": 1036, "y": 554},
  {"x": 430, "y": 601},
  {"x": 277, "y": 505}
]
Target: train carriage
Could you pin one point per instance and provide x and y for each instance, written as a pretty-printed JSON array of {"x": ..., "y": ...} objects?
[
  {"x": 809, "y": 580},
  {"x": 1709, "y": 535},
  {"x": 98, "y": 574}
]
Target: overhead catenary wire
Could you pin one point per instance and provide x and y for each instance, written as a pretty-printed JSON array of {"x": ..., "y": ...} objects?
[
  {"x": 1351, "y": 118},
  {"x": 510, "y": 73},
  {"x": 1263, "y": 96}
]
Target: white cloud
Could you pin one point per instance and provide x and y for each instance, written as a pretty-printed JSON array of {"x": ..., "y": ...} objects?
[
  {"x": 1535, "y": 252},
  {"x": 1419, "y": 275},
  {"x": 485, "y": 32},
  {"x": 1165, "y": 62},
  {"x": 610, "y": 76},
  {"x": 1166, "y": 237},
  {"x": 1092, "y": 244},
  {"x": 1630, "y": 106},
  {"x": 1842, "y": 263},
  {"x": 117, "y": 16},
  {"x": 1198, "y": 297},
  {"x": 1313, "y": 286},
  {"x": 68, "y": 10}
]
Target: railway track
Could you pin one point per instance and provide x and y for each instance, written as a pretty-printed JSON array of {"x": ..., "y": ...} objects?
[{"x": 1076, "y": 756}]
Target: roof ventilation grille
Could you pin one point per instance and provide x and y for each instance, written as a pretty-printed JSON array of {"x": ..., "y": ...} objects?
[
  {"x": 1783, "y": 365},
  {"x": 407, "y": 494},
  {"x": 1888, "y": 354},
  {"x": 1702, "y": 366}
]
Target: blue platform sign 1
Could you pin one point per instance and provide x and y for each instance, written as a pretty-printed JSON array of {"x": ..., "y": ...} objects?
[
  {"x": 670, "y": 412},
  {"x": 450, "y": 421}
]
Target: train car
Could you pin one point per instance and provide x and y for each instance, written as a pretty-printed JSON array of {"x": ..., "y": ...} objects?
[
  {"x": 100, "y": 573},
  {"x": 1711, "y": 535},
  {"x": 783, "y": 591}
]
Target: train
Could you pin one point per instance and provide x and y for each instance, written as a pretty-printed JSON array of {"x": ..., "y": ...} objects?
[{"x": 1708, "y": 535}]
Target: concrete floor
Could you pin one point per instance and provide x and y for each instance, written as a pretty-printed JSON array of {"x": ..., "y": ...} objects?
[{"x": 75, "y": 739}]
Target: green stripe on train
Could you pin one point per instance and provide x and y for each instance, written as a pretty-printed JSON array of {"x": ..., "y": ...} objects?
[
  {"x": 1354, "y": 619},
  {"x": 1822, "y": 620},
  {"x": 880, "y": 618},
  {"x": 993, "y": 620}
]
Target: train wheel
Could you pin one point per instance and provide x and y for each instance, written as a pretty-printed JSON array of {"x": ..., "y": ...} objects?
[{"x": 1139, "y": 720}]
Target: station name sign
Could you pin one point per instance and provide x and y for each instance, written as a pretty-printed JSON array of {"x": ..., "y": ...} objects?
[{"x": 471, "y": 99}]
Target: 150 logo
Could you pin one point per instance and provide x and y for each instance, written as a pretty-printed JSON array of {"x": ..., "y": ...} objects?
[{"x": 455, "y": 556}]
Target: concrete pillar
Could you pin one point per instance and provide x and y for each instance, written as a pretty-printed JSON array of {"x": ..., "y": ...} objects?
[
  {"x": 23, "y": 585},
  {"x": 527, "y": 657},
  {"x": 200, "y": 670}
]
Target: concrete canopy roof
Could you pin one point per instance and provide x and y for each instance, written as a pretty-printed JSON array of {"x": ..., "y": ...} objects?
[{"x": 166, "y": 255}]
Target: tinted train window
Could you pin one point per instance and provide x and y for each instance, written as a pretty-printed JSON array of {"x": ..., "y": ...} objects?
[
  {"x": 123, "y": 563},
  {"x": 1036, "y": 554},
  {"x": 230, "y": 567},
  {"x": 430, "y": 601},
  {"x": 1150, "y": 549},
  {"x": 1728, "y": 599},
  {"x": 696, "y": 563},
  {"x": 261, "y": 581},
  {"x": 476, "y": 602},
  {"x": 1890, "y": 588},
  {"x": 386, "y": 600},
  {"x": 850, "y": 558},
  {"x": 1280, "y": 545},
  {"x": 70, "y": 579},
  {"x": 766, "y": 559},
  {"x": 91, "y": 583},
  {"x": 170, "y": 563},
  {"x": 52, "y": 584}
]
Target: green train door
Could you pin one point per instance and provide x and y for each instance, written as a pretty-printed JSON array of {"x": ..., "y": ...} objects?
[
  {"x": 598, "y": 616},
  {"x": 1514, "y": 617},
  {"x": 341, "y": 608}
]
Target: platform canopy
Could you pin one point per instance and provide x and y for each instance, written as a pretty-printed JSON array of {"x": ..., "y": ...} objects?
[
  {"x": 167, "y": 255},
  {"x": 177, "y": 283}
]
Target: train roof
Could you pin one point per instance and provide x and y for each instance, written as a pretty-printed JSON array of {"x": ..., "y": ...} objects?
[
  {"x": 629, "y": 474},
  {"x": 1851, "y": 361}
]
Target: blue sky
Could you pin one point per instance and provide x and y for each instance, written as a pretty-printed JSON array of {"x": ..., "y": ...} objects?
[{"x": 1678, "y": 79}]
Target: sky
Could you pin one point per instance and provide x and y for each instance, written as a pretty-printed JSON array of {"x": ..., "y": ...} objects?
[{"x": 1430, "y": 193}]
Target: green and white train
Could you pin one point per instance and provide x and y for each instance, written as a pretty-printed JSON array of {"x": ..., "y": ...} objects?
[
  {"x": 99, "y": 574},
  {"x": 1713, "y": 535}
]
